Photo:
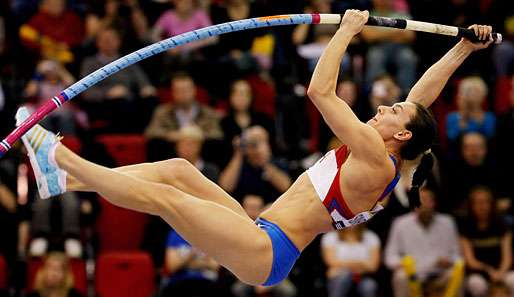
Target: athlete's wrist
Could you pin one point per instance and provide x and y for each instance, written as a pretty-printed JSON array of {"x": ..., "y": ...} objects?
[
  {"x": 465, "y": 46},
  {"x": 346, "y": 32}
]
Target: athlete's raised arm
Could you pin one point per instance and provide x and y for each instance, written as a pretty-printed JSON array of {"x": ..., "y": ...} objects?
[
  {"x": 364, "y": 141},
  {"x": 427, "y": 89}
]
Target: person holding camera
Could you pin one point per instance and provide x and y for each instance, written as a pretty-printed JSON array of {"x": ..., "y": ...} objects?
[{"x": 253, "y": 169}]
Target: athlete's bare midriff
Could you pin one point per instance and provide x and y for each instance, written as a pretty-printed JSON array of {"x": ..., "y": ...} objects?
[{"x": 301, "y": 214}]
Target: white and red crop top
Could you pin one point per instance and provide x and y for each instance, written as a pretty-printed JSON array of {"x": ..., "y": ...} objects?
[{"x": 324, "y": 175}]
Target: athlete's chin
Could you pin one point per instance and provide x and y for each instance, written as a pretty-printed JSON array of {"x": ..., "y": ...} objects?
[{"x": 372, "y": 122}]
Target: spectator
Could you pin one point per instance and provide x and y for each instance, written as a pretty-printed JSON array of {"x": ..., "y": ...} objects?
[
  {"x": 470, "y": 116},
  {"x": 56, "y": 224},
  {"x": 124, "y": 15},
  {"x": 183, "y": 18},
  {"x": 241, "y": 114},
  {"x": 191, "y": 272},
  {"x": 389, "y": 46},
  {"x": 384, "y": 91},
  {"x": 49, "y": 80},
  {"x": 429, "y": 237},
  {"x": 486, "y": 244},
  {"x": 254, "y": 205},
  {"x": 348, "y": 91},
  {"x": 352, "y": 256},
  {"x": 189, "y": 146},
  {"x": 53, "y": 31},
  {"x": 119, "y": 91},
  {"x": 234, "y": 50},
  {"x": 168, "y": 118},
  {"x": 471, "y": 168},
  {"x": 252, "y": 169},
  {"x": 55, "y": 278}
]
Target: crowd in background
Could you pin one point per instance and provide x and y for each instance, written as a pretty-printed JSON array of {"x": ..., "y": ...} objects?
[{"x": 235, "y": 107}]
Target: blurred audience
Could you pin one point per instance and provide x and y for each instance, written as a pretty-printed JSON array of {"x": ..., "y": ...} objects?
[
  {"x": 55, "y": 224},
  {"x": 233, "y": 50},
  {"x": 311, "y": 40},
  {"x": 54, "y": 278},
  {"x": 486, "y": 244},
  {"x": 473, "y": 166},
  {"x": 253, "y": 170},
  {"x": 120, "y": 92},
  {"x": 242, "y": 115},
  {"x": 390, "y": 47},
  {"x": 46, "y": 34},
  {"x": 185, "y": 110},
  {"x": 427, "y": 236},
  {"x": 352, "y": 256},
  {"x": 384, "y": 91},
  {"x": 470, "y": 116},
  {"x": 191, "y": 273},
  {"x": 189, "y": 146},
  {"x": 185, "y": 17},
  {"x": 126, "y": 16},
  {"x": 49, "y": 80}
]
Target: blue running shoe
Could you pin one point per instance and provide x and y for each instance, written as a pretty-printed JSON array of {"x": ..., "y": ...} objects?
[{"x": 40, "y": 145}]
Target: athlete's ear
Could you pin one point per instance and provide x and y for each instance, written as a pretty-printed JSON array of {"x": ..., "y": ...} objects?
[{"x": 403, "y": 135}]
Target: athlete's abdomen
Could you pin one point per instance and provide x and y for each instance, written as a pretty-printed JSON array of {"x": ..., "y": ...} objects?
[{"x": 300, "y": 213}]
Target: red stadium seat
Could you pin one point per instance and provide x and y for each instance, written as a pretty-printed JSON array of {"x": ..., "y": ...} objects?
[
  {"x": 78, "y": 268},
  {"x": 502, "y": 100},
  {"x": 125, "y": 149},
  {"x": 121, "y": 274},
  {"x": 119, "y": 228},
  {"x": 263, "y": 95},
  {"x": 3, "y": 273},
  {"x": 73, "y": 143}
]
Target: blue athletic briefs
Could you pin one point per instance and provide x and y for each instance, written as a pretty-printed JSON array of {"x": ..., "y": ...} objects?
[{"x": 285, "y": 252}]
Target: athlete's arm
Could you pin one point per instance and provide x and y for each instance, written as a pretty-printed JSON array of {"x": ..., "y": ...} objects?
[
  {"x": 362, "y": 139},
  {"x": 427, "y": 89}
]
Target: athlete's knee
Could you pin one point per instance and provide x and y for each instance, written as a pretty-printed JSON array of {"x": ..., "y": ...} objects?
[{"x": 174, "y": 170}]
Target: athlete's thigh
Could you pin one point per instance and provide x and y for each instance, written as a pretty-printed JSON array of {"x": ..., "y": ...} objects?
[{"x": 185, "y": 177}]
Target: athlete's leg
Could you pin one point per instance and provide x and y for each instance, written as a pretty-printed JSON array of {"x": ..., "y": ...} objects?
[
  {"x": 178, "y": 173},
  {"x": 233, "y": 241}
]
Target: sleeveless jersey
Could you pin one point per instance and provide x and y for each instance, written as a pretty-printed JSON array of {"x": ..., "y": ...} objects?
[{"x": 324, "y": 175}]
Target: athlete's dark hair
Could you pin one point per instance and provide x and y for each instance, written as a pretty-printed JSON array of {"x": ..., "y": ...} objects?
[{"x": 424, "y": 131}]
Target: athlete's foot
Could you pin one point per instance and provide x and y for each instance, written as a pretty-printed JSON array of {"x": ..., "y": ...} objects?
[{"x": 41, "y": 145}]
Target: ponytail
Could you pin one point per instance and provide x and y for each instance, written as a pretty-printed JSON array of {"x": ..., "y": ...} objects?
[{"x": 419, "y": 177}]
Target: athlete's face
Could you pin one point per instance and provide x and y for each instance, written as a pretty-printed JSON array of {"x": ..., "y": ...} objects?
[{"x": 390, "y": 121}]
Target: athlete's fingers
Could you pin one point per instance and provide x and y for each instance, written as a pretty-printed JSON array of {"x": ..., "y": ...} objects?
[
  {"x": 481, "y": 32},
  {"x": 475, "y": 28}
]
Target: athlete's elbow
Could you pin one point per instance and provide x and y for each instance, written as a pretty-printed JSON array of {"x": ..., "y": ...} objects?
[{"x": 316, "y": 92}]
